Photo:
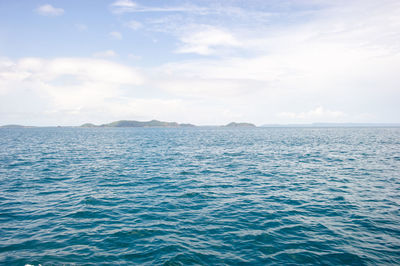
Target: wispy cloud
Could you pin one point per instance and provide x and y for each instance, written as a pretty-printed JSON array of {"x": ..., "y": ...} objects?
[
  {"x": 49, "y": 10},
  {"x": 268, "y": 61},
  {"x": 124, "y": 4},
  {"x": 127, "y": 6},
  {"x": 116, "y": 35},
  {"x": 205, "y": 40}
]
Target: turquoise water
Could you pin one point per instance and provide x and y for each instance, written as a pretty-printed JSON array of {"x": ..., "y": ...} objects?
[{"x": 208, "y": 196}]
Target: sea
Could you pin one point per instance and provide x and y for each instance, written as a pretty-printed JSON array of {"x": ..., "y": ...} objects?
[{"x": 200, "y": 196}]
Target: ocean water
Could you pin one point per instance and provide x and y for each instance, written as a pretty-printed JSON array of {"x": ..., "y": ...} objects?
[{"x": 204, "y": 196}]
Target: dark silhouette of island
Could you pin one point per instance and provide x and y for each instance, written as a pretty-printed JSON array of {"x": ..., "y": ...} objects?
[
  {"x": 157, "y": 123},
  {"x": 88, "y": 125},
  {"x": 133, "y": 123},
  {"x": 234, "y": 124},
  {"x": 162, "y": 124}
]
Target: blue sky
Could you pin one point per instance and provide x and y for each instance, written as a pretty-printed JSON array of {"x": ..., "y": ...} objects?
[{"x": 204, "y": 62}]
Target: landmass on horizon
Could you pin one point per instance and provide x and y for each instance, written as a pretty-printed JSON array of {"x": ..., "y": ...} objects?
[
  {"x": 163, "y": 124},
  {"x": 156, "y": 123}
]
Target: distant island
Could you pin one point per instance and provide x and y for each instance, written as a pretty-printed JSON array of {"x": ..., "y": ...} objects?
[
  {"x": 156, "y": 123},
  {"x": 234, "y": 124},
  {"x": 133, "y": 123},
  {"x": 162, "y": 124}
]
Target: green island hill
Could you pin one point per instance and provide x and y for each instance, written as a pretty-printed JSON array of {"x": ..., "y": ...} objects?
[
  {"x": 133, "y": 123},
  {"x": 234, "y": 124}
]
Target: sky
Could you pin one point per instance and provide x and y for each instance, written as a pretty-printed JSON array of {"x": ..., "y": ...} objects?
[{"x": 205, "y": 62}]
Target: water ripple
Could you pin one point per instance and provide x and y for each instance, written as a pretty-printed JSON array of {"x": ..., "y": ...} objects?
[{"x": 208, "y": 196}]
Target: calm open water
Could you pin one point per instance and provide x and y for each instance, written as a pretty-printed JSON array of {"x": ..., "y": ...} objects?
[{"x": 207, "y": 196}]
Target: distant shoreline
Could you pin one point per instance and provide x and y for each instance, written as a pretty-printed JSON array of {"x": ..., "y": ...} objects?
[
  {"x": 161, "y": 124},
  {"x": 157, "y": 123}
]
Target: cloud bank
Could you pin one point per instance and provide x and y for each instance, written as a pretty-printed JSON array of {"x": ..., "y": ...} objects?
[{"x": 266, "y": 62}]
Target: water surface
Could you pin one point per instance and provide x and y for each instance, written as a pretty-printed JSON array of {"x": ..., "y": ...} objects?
[{"x": 200, "y": 196}]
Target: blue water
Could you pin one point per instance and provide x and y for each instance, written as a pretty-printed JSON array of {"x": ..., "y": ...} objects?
[{"x": 208, "y": 196}]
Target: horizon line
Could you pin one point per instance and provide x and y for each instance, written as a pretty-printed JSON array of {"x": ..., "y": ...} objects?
[{"x": 310, "y": 124}]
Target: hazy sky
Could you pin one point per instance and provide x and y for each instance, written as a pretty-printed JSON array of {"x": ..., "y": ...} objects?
[{"x": 204, "y": 62}]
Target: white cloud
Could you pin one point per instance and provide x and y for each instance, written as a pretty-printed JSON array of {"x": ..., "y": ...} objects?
[
  {"x": 71, "y": 91},
  {"x": 105, "y": 54},
  {"x": 65, "y": 88},
  {"x": 332, "y": 64},
  {"x": 198, "y": 88},
  {"x": 124, "y": 3},
  {"x": 340, "y": 59},
  {"x": 126, "y": 6},
  {"x": 116, "y": 35},
  {"x": 49, "y": 10},
  {"x": 122, "y": 6},
  {"x": 134, "y": 25},
  {"x": 205, "y": 40},
  {"x": 80, "y": 68}
]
